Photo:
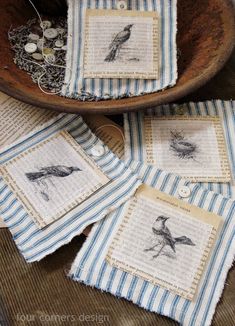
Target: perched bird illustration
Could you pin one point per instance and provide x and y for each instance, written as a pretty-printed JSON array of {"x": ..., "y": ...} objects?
[
  {"x": 39, "y": 178},
  {"x": 164, "y": 237},
  {"x": 182, "y": 147},
  {"x": 51, "y": 171},
  {"x": 119, "y": 39}
]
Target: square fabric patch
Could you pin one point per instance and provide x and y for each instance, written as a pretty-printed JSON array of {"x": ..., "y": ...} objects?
[
  {"x": 91, "y": 267},
  {"x": 52, "y": 177},
  {"x": 121, "y": 44},
  {"x": 187, "y": 140},
  {"x": 192, "y": 147},
  {"x": 164, "y": 241},
  {"x": 56, "y": 181},
  {"x": 81, "y": 87}
]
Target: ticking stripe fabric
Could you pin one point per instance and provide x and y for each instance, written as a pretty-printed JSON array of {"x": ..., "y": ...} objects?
[
  {"x": 94, "y": 89},
  {"x": 91, "y": 268},
  {"x": 134, "y": 146},
  {"x": 34, "y": 243}
]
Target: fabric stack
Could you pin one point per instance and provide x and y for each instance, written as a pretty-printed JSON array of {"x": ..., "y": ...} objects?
[
  {"x": 106, "y": 206},
  {"x": 157, "y": 197}
]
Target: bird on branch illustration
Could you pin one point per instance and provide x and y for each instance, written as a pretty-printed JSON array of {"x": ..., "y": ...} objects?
[
  {"x": 163, "y": 237},
  {"x": 51, "y": 171},
  {"x": 39, "y": 177},
  {"x": 117, "y": 42}
]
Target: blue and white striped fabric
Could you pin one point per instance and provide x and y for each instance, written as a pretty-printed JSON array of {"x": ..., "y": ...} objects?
[
  {"x": 34, "y": 243},
  {"x": 91, "y": 268},
  {"x": 87, "y": 89},
  {"x": 134, "y": 144}
]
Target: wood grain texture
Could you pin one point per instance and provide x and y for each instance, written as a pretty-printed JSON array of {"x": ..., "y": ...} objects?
[
  {"x": 222, "y": 86},
  {"x": 42, "y": 289},
  {"x": 205, "y": 41}
]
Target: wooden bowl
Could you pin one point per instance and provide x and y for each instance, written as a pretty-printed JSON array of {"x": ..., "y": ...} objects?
[{"x": 205, "y": 40}]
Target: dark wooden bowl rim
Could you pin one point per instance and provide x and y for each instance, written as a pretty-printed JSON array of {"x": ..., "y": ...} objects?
[{"x": 185, "y": 84}]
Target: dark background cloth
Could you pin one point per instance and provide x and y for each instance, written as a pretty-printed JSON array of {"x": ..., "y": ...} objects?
[{"x": 42, "y": 294}]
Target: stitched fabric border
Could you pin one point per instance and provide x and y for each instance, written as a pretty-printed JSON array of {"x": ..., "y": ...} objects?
[
  {"x": 33, "y": 243},
  {"x": 133, "y": 125},
  {"x": 94, "y": 89},
  {"x": 91, "y": 268}
]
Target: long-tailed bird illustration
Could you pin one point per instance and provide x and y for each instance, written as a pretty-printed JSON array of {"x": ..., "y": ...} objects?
[
  {"x": 39, "y": 178},
  {"x": 117, "y": 42},
  {"x": 51, "y": 171},
  {"x": 164, "y": 237}
]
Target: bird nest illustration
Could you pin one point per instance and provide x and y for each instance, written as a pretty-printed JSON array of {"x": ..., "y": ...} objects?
[{"x": 181, "y": 146}]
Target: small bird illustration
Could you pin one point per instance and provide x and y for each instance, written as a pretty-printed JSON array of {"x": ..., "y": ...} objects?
[
  {"x": 182, "y": 147},
  {"x": 51, "y": 171},
  {"x": 117, "y": 42},
  {"x": 164, "y": 237},
  {"x": 39, "y": 178}
]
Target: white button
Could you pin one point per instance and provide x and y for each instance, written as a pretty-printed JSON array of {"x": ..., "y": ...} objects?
[
  {"x": 30, "y": 47},
  {"x": 184, "y": 192},
  {"x": 59, "y": 43},
  {"x": 98, "y": 150},
  {"x": 122, "y": 5},
  {"x": 50, "y": 33},
  {"x": 45, "y": 24},
  {"x": 33, "y": 37},
  {"x": 37, "y": 56}
]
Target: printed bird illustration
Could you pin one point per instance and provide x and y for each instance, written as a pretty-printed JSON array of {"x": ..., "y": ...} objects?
[
  {"x": 117, "y": 42},
  {"x": 182, "y": 147},
  {"x": 51, "y": 171},
  {"x": 39, "y": 178},
  {"x": 164, "y": 237}
]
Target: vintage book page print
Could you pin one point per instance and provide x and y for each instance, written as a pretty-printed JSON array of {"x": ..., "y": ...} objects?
[
  {"x": 164, "y": 240},
  {"x": 18, "y": 118},
  {"x": 53, "y": 177},
  {"x": 193, "y": 147},
  {"x": 121, "y": 44}
]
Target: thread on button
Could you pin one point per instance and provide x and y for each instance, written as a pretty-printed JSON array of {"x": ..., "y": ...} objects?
[
  {"x": 122, "y": 4},
  {"x": 44, "y": 56}
]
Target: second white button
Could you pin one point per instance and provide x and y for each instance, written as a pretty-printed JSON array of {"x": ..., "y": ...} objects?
[
  {"x": 184, "y": 192},
  {"x": 98, "y": 150}
]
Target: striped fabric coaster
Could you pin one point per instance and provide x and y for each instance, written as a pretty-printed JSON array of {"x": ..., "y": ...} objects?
[
  {"x": 90, "y": 266},
  {"x": 136, "y": 148},
  {"x": 93, "y": 89},
  {"x": 34, "y": 242}
]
